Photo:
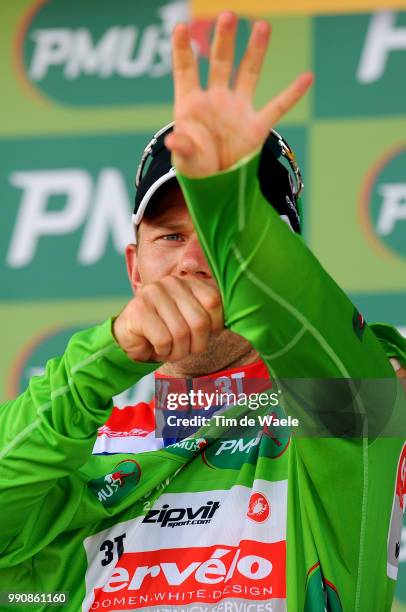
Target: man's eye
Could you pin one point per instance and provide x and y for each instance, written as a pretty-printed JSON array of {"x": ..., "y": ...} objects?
[{"x": 172, "y": 237}]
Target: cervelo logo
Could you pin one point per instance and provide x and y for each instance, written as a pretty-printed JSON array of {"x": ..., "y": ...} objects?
[
  {"x": 178, "y": 566},
  {"x": 383, "y": 204},
  {"x": 174, "y": 517},
  {"x": 252, "y": 569},
  {"x": 110, "y": 58},
  {"x": 259, "y": 508}
]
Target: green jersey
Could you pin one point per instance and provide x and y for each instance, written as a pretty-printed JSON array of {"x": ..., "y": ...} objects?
[{"x": 262, "y": 522}]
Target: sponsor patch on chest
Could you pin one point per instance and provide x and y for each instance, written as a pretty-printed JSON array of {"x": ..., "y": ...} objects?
[{"x": 188, "y": 548}]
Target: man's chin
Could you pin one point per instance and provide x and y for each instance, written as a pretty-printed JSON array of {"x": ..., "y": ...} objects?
[{"x": 224, "y": 350}]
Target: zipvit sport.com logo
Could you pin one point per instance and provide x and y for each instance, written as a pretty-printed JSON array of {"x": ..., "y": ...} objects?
[
  {"x": 166, "y": 516},
  {"x": 383, "y": 203}
]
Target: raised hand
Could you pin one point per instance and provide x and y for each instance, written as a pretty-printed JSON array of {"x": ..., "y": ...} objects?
[{"x": 216, "y": 127}]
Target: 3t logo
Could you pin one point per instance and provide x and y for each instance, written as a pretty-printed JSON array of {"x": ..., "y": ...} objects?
[{"x": 112, "y": 549}]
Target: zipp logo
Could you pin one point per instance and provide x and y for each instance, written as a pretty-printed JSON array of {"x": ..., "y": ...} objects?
[
  {"x": 176, "y": 517},
  {"x": 383, "y": 204}
]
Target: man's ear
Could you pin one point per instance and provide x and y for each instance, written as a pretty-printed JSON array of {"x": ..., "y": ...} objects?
[{"x": 132, "y": 266}]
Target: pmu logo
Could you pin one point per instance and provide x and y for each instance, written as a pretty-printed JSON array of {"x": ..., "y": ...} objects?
[
  {"x": 110, "y": 489},
  {"x": 114, "y": 54},
  {"x": 67, "y": 198},
  {"x": 87, "y": 202},
  {"x": 383, "y": 204}
]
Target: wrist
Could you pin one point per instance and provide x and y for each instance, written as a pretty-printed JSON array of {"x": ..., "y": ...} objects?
[{"x": 136, "y": 347}]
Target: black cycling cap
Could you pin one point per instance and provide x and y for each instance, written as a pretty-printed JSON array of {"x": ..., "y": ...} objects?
[{"x": 276, "y": 182}]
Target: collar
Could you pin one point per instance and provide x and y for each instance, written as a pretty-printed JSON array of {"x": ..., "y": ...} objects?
[{"x": 249, "y": 378}]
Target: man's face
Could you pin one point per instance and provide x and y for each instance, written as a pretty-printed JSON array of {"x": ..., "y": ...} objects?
[{"x": 168, "y": 245}]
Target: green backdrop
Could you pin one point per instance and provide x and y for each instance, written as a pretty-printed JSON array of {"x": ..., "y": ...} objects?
[{"x": 84, "y": 84}]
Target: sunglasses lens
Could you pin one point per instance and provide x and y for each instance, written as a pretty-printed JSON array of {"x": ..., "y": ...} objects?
[{"x": 155, "y": 145}]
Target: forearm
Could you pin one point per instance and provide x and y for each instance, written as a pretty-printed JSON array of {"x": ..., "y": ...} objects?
[
  {"x": 49, "y": 431},
  {"x": 275, "y": 292}
]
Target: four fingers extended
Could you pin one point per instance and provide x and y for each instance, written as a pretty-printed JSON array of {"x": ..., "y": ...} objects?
[
  {"x": 222, "y": 50},
  {"x": 185, "y": 68},
  {"x": 251, "y": 64},
  {"x": 186, "y": 75},
  {"x": 272, "y": 112}
]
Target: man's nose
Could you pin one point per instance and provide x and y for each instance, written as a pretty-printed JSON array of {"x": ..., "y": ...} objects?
[{"x": 192, "y": 260}]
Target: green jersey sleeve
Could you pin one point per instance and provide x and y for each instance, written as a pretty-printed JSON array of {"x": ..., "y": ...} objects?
[
  {"x": 48, "y": 432},
  {"x": 340, "y": 488},
  {"x": 275, "y": 292}
]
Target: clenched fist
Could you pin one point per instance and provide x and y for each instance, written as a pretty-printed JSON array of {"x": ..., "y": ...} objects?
[{"x": 169, "y": 320}]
